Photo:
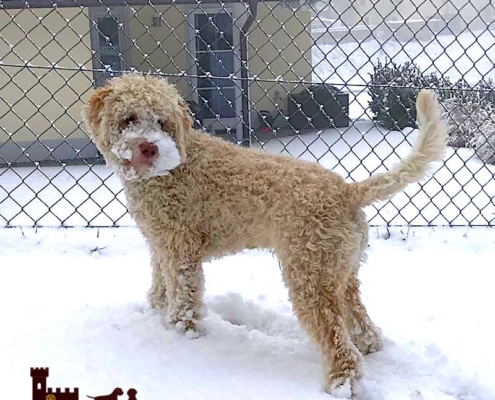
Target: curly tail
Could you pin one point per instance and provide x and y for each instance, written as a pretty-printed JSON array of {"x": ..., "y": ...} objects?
[{"x": 429, "y": 147}]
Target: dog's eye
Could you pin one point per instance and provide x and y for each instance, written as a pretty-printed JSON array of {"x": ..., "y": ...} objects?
[
  {"x": 131, "y": 119},
  {"x": 164, "y": 125}
]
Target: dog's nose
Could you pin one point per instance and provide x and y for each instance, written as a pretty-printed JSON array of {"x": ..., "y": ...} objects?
[{"x": 148, "y": 150}]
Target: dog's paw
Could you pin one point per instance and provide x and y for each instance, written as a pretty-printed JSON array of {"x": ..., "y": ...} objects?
[
  {"x": 343, "y": 384},
  {"x": 187, "y": 328},
  {"x": 340, "y": 388},
  {"x": 369, "y": 341},
  {"x": 185, "y": 324},
  {"x": 341, "y": 381}
]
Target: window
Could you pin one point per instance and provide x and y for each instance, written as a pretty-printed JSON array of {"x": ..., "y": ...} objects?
[
  {"x": 215, "y": 56},
  {"x": 108, "y": 40}
]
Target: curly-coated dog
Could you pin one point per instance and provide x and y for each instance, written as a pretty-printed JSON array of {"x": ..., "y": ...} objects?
[{"x": 196, "y": 197}]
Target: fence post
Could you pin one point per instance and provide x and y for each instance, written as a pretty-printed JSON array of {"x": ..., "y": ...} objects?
[{"x": 246, "y": 118}]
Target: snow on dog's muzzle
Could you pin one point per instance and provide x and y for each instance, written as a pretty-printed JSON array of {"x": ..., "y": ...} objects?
[{"x": 145, "y": 153}]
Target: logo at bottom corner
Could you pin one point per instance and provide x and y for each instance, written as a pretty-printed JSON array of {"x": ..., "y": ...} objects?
[{"x": 42, "y": 392}]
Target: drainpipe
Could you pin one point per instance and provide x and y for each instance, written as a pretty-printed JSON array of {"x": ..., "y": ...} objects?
[{"x": 246, "y": 125}]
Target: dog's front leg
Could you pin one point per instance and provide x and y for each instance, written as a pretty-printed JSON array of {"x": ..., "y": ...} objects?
[
  {"x": 185, "y": 287},
  {"x": 157, "y": 295}
]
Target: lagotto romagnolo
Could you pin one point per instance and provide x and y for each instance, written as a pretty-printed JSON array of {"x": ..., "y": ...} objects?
[{"x": 196, "y": 197}]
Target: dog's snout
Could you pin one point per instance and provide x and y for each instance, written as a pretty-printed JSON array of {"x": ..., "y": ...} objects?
[{"x": 148, "y": 150}]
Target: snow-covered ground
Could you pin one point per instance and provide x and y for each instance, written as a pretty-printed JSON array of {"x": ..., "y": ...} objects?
[
  {"x": 74, "y": 300},
  {"x": 470, "y": 55},
  {"x": 461, "y": 191}
]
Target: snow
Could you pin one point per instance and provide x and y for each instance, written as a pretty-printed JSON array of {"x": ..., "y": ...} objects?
[
  {"x": 74, "y": 300},
  {"x": 168, "y": 155},
  {"x": 470, "y": 54}
]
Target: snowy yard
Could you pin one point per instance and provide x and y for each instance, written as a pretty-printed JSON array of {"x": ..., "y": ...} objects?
[
  {"x": 74, "y": 300},
  {"x": 470, "y": 55}
]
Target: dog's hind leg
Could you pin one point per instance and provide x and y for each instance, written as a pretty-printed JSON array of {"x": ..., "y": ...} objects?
[
  {"x": 317, "y": 295},
  {"x": 364, "y": 333}
]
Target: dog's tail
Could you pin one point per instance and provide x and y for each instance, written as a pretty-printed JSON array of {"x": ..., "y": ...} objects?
[{"x": 429, "y": 147}]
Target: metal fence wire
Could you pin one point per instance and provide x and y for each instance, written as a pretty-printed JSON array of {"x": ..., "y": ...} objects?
[{"x": 334, "y": 83}]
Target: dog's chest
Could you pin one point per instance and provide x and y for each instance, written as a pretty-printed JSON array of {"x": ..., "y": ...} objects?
[{"x": 160, "y": 203}]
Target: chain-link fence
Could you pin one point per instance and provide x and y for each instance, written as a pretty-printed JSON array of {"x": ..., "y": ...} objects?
[{"x": 334, "y": 83}]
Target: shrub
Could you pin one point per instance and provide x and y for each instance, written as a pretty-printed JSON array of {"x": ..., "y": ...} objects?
[
  {"x": 464, "y": 119},
  {"x": 481, "y": 93},
  {"x": 472, "y": 125},
  {"x": 485, "y": 144},
  {"x": 394, "y": 88}
]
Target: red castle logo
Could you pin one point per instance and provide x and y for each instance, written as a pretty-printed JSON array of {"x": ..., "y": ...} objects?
[{"x": 41, "y": 392}]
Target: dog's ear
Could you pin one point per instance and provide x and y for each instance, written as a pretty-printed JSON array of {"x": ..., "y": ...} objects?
[
  {"x": 187, "y": 121},
  {"x": 184, "y": 125},
  {"x": 91, "y": 112}
]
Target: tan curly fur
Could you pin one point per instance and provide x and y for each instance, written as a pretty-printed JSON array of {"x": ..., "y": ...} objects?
[{"x": 222, "y": 199}]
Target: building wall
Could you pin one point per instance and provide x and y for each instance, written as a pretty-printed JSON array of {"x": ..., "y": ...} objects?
[
  {"x": 32, "y": 98},
  {"x": 160, "y": 47},
  {"x": 280, "y": 46}
]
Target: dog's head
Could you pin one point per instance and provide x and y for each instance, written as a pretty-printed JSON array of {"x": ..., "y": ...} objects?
[
  {"x": 140, "y": 124},
  {"x": 118, "y": 391}
]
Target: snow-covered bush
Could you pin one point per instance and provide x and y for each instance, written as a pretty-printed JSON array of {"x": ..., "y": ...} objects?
[
  {"x": 485, "y": 144},
  {"x": 393, "y": 89},
  {"x": 482, "y": 92},
  {"x": 464, "y": 119},
  {"x": 471, "y": 124}
]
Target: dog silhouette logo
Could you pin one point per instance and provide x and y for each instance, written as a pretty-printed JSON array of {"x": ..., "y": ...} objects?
[
  {"x": 112, "y": 396},
  {"x": 42, "y": 392}
]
